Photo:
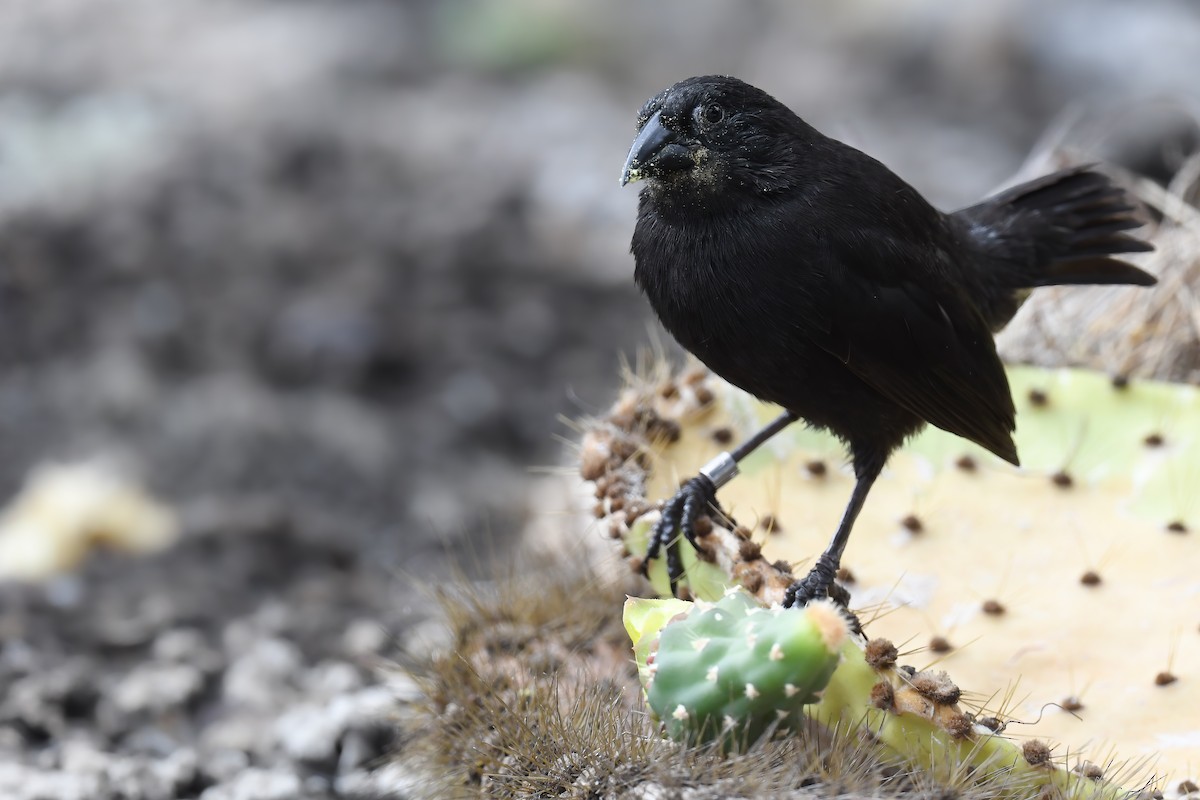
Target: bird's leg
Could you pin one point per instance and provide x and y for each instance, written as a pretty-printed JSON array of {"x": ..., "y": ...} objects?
[
  {"x": 699, "y": 495},
  {"x": 819, "y": 580}
]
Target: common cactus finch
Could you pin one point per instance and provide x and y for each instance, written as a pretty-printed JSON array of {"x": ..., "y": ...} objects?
[{"x": 808, "y": 274}]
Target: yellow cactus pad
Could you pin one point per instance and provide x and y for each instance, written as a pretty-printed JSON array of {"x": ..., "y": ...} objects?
[{"x": 1064, "y": 594}]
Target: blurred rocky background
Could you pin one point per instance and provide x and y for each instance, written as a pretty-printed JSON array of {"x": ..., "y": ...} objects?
[{"x": 321, "y": 274}]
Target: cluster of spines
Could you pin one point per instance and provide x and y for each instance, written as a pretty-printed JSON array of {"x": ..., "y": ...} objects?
[{"x": 614, "y": 453}]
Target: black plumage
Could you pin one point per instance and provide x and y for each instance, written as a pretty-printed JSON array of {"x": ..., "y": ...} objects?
[{"x": 808, "y": 274}]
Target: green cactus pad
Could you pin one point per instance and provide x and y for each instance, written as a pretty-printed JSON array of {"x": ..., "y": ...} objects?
[{"x": 733, "y": 669}]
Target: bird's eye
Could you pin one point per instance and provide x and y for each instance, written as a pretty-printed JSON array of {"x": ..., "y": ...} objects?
[{"x": 710, "y": 114}]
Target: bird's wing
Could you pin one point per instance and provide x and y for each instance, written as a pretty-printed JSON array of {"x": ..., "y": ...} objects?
[{"x": 917, "y": 340}]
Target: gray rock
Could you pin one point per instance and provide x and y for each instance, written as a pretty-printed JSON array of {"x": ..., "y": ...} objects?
[
  {"x": 226, "y": 764},
  {"x": 186, "y": 646},
  {"x": 313, "y": 732},
  {"x": 266, "y": 670},
  {"x": 365, "y": 637},
  {"x": 20, "y": 782},
  {"x": 43, "y": 701},
  {"x": 256, "y": 783},
  {"x": 331, "y": 679},
  {"x": 156, "y": 687}
]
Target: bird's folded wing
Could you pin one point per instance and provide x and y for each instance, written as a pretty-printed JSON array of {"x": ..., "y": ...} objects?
[{"x": 920, "y": 343}]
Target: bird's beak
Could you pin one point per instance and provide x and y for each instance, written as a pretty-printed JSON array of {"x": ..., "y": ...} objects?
[{"x": 656, "y": 150}]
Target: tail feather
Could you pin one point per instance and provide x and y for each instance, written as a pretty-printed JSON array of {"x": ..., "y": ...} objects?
[
  {"x": 1102, "y": 227},
  {"x": 1057, "y": 229},
  {"x": 1095, "y": 271}
]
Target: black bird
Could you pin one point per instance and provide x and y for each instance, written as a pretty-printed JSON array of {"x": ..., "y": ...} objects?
[{"x": 808, "y": 274}]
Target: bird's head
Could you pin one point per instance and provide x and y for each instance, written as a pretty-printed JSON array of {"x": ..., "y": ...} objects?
[{"x": 710, "y": 134}]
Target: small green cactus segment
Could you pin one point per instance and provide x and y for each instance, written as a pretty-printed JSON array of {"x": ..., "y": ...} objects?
[
  {"x": 732, "y": 670},
  {"x": 644, "y": 620}
]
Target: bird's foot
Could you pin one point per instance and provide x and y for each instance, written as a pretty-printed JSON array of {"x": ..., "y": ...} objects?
[
  {"x": 698, "y": 496},
  {"x": 818, "y": 583}
]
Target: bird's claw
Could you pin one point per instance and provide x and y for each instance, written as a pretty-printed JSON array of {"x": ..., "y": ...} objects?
[
  {"x": 679, "y": 514},
  {"x": 818, "y": 583}
]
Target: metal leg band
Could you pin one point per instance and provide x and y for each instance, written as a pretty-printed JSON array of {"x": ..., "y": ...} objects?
[{"x": 721, "y": 470}]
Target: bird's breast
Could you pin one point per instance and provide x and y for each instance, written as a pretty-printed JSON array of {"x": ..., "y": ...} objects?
[
  {"x": 695, "y": 278},
  {"x": 726, "y": 294}
]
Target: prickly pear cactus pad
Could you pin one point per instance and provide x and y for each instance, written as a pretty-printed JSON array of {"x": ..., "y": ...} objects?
[
  {"x": 1064, "y": 596},
  {"x": 733, "y": 669}
]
